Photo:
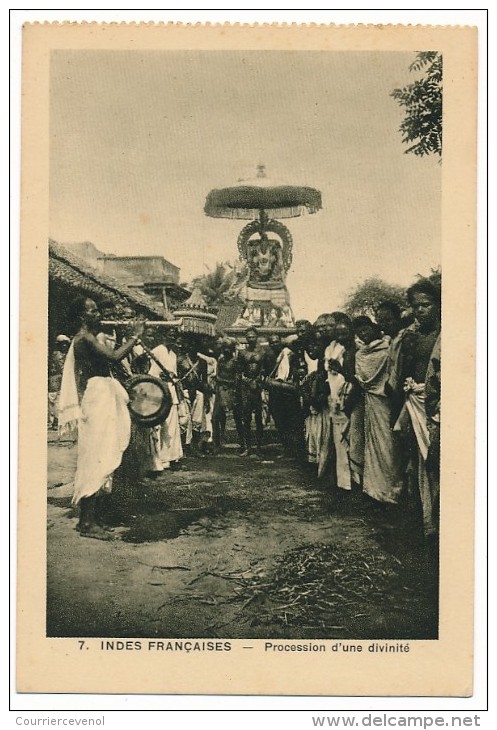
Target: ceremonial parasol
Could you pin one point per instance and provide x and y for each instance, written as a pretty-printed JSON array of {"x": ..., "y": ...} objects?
[
  {"x": 262, "y": 201},
  {"x": 262, "y": 198}
]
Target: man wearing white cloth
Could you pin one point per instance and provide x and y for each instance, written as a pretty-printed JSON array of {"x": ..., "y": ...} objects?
[
  {"x": 417, "y": 345},
  {"x": 95, "y": 403},
  {"x": 339, "y": 364},
  {"x": 166, "y": 448}
]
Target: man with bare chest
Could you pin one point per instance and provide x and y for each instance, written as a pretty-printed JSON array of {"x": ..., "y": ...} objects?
[
  {"x": 227, "y": 396},
  {"x": 251, "y": 370}
]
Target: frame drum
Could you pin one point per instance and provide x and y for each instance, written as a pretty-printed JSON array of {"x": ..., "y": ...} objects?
[{"x": 149, "y": 400}]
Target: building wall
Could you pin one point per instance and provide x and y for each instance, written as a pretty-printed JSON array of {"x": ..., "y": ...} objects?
[
  {"x": 141, "y": 268},
  {"x": 85, "y": 250}
]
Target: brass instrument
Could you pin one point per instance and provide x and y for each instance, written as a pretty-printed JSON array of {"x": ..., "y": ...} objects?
[
  {"x": 147, "y": 323},
  {"x": 150, "y": 400},
  {"x": 166, "y": 375}
]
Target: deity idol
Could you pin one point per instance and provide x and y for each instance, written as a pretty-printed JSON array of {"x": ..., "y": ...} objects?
[{"x": 265, "y": 262}]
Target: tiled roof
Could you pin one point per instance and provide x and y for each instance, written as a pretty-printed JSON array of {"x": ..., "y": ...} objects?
[{"x": 66, "y": 267}]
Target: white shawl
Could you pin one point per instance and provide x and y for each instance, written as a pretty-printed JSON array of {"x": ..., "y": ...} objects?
[{"x": 69, "y": 410}]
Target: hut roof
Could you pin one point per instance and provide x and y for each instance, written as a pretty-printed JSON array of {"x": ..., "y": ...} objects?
[{"x": 69, "y": 269}]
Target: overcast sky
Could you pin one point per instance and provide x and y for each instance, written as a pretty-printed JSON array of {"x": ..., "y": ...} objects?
[{"x": 139, "y": 139}]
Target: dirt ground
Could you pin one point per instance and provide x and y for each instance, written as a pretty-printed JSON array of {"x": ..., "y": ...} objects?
[{"x": 236, "y": 548}]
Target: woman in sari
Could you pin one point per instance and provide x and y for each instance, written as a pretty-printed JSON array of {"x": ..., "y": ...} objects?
[
  {"x": 96, "y": 403},
  {"x": 382, "y": 476}
]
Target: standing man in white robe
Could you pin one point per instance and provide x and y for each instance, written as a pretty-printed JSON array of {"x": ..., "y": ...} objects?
[
  {"x": 95, "y": 403},
  {"x": 339, "y": 366},
  {"x": 166, "y": 448}
]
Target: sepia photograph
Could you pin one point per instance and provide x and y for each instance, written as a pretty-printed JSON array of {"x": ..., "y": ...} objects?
[
  {"x": 246, "y": 270},
  {"x": 244, "y": 344}
]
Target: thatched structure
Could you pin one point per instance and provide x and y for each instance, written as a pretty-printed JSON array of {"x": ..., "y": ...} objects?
[{"x": 69, "y": 276}]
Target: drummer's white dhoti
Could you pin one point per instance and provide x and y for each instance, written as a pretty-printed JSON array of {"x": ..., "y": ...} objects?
[
  {"x": 166, "y": 441},
  {"x": 104, "y": 428}
]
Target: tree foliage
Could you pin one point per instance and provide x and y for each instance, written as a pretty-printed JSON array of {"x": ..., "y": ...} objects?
[
  {"x": 435, "y": 276},
  {"x": 366, "y": 297},
  {"x": 422, "y": 101},
  {"x": 217, "y": 284}
]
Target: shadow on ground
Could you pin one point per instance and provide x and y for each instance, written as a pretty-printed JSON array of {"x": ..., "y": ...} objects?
[{"x": 237, "y": 548}]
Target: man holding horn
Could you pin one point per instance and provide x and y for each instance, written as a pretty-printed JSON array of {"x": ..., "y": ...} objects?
[{"x": 95, "y": 403}]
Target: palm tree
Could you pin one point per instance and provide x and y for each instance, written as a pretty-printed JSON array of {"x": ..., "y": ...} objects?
[{"x": 216, "y": 284}]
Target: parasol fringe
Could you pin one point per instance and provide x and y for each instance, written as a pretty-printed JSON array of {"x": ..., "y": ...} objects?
[{"x": 253, "y": 213}]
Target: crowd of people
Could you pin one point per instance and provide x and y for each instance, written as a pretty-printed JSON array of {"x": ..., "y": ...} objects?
[{"x": 355, "y": 401}]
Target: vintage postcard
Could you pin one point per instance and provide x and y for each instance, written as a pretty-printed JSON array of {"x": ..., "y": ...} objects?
[{"x": 247, "y": 364}]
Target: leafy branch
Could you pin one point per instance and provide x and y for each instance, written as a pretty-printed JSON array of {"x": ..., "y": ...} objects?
[{"x": 422, "y": 101}]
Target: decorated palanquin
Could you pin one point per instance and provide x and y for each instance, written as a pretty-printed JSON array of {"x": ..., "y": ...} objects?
[
  {"x": 264, "y": 245},
  {"x": 267, "y": 263}
]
